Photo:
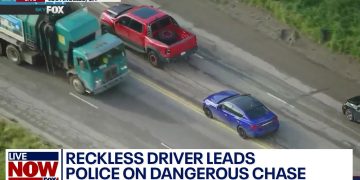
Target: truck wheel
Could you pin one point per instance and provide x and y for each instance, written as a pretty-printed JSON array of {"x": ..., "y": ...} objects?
[
  {"x": 154, "y": 59},
  {"x": 1, "y": 48},
  {"x": 13, "y": 54},
  {"x": 77, "y": 84}
]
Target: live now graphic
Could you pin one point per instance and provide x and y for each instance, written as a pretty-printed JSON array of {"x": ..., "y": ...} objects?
[{"x": 32, "y": 165}]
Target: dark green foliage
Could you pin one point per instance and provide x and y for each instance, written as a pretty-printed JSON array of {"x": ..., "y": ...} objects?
[
  {"x": 13, "y": 136},
  {"x": 333, "y": 22}
]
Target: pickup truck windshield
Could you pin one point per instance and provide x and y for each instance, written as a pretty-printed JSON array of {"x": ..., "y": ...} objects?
[
  {"x": 105, "y": 58},
  {"x": 161, "y": 23}
]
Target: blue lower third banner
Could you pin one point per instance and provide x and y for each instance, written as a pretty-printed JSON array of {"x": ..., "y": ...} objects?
[{"x": 274, "y": 164}]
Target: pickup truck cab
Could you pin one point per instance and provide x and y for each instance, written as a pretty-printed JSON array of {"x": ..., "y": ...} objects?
[{"x": 151, "y": 31}]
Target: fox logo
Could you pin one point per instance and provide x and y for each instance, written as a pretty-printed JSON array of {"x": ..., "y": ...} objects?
[{"x": 54, "y": 9}]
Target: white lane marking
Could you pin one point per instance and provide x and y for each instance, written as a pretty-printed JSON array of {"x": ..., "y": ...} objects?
[
  {"x": 291, "y": 106},
  {"x": 279, "y": 99},
  {"x": 79, "y": 98},
  {"x": 197, "y": 55},
  {"x": 103, "y": 4},
  {"x": 168, "y": 147}
]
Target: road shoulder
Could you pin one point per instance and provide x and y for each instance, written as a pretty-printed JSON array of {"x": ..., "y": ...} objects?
[{"x": 254, "y": 31}]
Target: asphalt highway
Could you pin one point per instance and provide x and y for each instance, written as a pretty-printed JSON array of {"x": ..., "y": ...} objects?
[
  {"x": 133, "y": 115},
  {"x": 156, "y": 108}
]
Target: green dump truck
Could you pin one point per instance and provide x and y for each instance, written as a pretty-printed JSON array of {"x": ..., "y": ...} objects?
[{"x": 93, "y": 62}]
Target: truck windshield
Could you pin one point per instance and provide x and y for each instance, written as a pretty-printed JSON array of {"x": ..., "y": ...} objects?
[
  {"x": 105, "y": 58},
  {"x": 161, "y": 23}
]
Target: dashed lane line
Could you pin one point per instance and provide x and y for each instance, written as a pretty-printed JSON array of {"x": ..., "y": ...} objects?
[
  {"x": 166, "y": 146},
  {"x": 279, "y": 99},
  {"x": 83, "y": 100},
  {"x": 199, "y": 56}
]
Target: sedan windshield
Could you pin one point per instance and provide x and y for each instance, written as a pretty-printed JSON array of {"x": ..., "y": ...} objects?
[{"x": 257, "y": 112}]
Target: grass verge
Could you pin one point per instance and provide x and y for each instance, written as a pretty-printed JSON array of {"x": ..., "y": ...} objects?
[
  {"x": 335, "y": 23},
  {"x": 14, "y": 136}
]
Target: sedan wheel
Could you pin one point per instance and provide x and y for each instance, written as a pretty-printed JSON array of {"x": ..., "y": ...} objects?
[
  {"x": 207, "y": 112},
  {"x": 242, "y": 133},
  {"x": 349, "y": 115}
]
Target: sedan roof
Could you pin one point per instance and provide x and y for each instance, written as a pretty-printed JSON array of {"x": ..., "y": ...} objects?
[{"x": 245, "y": 102}]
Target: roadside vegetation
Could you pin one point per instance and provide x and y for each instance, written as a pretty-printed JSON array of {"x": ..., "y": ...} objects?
[
  {"x": 14, "y": 136},
  {"x": 335, "y": 23}
]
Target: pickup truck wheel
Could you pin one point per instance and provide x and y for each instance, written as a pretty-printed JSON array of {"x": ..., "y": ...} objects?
[
  {"x": 77, "y": 84},
  {"x": 154, "y": 59},
  {"x": 13, "y": 54}
]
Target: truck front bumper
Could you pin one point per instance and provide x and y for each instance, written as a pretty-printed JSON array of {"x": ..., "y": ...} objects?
[
  {"x": 185, "y": 55},
  {"x": 110, "y": 83}
]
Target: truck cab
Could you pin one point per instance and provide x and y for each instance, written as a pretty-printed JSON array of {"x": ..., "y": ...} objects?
[
  {"x": 93, "y": 63},
  {"x": 101, "y": 69}
]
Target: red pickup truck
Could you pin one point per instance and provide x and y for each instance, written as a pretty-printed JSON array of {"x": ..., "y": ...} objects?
[{"x": 151, "y": 31}]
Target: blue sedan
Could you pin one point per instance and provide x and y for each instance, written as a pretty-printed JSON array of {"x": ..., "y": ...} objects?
[{"x": 249, "y": 116}]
